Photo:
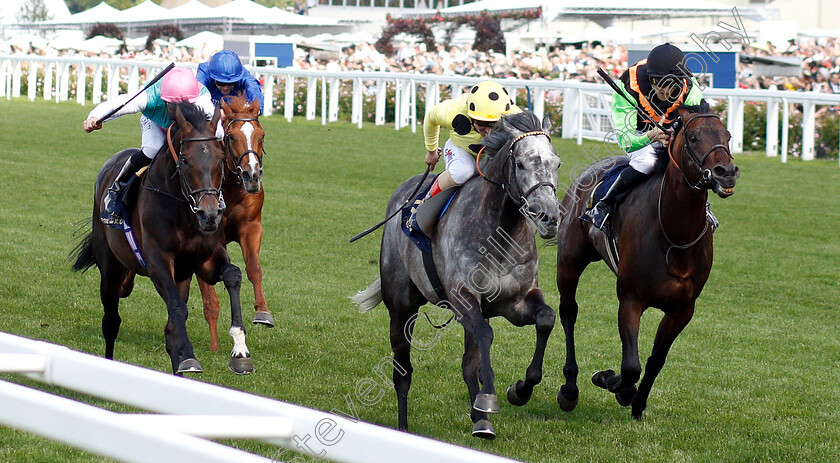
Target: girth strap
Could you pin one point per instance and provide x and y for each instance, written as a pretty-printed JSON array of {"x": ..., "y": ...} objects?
[{"x": 434, "y": 278}]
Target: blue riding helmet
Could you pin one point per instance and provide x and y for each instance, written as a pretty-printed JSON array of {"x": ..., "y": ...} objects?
[{"x": 225, "y": 67}]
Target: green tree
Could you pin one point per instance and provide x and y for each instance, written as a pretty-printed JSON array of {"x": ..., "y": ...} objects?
[{"x": 32, "y": 11}]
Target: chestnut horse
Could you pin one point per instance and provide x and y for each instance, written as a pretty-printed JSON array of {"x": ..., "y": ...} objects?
[
  {"x": 176, "y": 219},
  {"x": 243, "y": 192},
  {"x": 664, "y": 245}
]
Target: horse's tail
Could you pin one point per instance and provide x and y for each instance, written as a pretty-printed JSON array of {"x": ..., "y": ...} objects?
[
  {"x": 370, "y": 297},
  {"x": 82, "y": 254}
]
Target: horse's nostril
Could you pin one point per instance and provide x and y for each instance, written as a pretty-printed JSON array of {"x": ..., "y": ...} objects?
[{"x": 719, "y": 171}]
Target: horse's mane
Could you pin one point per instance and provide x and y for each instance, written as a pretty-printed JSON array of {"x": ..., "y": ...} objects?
[
  {"x": 526, "y": 121},
  {"x": 238, "y": 103},
  {"x": 702, "y": 108},
  {"x": 192, "y": 113}
]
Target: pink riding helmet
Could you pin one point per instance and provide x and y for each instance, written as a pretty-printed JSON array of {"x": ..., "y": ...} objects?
[{"x": 179, "y": 84}]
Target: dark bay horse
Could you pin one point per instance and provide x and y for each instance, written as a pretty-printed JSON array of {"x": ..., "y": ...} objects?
[
  {"x": 176, "y": 219},
  {"x": 485, "y": 252},
  {"x": 664, "y": 244},
  {"x": 244, "y": 196}
]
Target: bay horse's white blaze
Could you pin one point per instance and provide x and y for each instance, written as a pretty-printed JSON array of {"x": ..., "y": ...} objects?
[{"x": 239, "y": 347}]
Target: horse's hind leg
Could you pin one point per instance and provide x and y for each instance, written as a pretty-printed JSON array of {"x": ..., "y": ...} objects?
[
  {"x": 670, "y": 327},
  {"x": 568, "y": 277},
  {"x": 115, "y": 282},
  {"x": 403, "y": 300},
  {"x": 470, "y": 366},
  {"x": 520, "y": 393},
  {"x": 211, "y": 311}
]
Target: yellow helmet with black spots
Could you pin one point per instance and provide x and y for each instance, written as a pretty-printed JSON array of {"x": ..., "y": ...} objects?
[{"x": 488, "y": 101}]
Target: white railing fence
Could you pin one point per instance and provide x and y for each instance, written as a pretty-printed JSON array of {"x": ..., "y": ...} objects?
[
  {"x": 185, "y": 414},
  {"x": 585, "y": 111}
]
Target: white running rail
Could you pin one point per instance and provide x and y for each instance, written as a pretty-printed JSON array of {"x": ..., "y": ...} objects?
[
  {"x": 185, "y": 413},
  {"x": 585, "y": 105}
]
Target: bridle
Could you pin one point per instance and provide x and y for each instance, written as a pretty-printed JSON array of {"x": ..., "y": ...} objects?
[
  {"x": 187, "y": 191},
  {"x": 506, "y": 185},
  {"x": 229, "y": 150},
  {"x": 687, "y": 152}
]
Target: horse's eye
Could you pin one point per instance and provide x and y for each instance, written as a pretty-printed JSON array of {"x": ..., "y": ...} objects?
[
  {"x": 692, "y": 138},
  {"x": 519, "y": 165}
]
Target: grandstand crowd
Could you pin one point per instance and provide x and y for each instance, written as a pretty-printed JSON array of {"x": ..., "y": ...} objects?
[{"x": 820, "y": 64}]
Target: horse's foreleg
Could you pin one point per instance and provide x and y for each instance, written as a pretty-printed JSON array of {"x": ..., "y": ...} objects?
[
  {"x": 520, "y": 392},
  {"x": 481, "y": 331},
  {"x": 470, "y": 367},
  {"x": 211, "y": 311},
  {"x": 240, "y": 358},
  {"x": 178, "y": 344},
  {"x": 670, "y": 327},
  {"x": 250, "y": 241},
  {"x": 624, "y": 384}
]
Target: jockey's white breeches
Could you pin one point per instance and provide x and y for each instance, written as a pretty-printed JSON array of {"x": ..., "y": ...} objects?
[
  {"x": 644, "y": 159},
  {"x": 152, "y": 137},
  {"x": 459, "y": 162}
]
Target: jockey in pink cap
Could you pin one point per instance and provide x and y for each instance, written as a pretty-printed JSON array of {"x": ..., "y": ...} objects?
[{"x": 177, "y": 85}]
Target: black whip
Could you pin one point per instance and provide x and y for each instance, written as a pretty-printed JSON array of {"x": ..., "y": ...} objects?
[{"x": 410, "y": 198}]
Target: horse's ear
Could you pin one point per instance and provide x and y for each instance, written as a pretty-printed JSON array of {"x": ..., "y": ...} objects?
[
  {"x": 546, "y": 124},
  {"x": 225, "y": 106},
  {"x": 181, "y": 120},
  {"x": 255, "y": 107},
  {"x": 684, "y": 112},
  {"x": 217, "y": 114}
]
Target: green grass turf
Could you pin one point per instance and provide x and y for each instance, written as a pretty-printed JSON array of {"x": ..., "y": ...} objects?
[{"x": 752, "y": 378}]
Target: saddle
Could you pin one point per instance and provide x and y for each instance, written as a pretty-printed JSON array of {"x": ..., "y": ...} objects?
[
  {"x": 428, "y": 214},
  {"x": 606, "y": 182}
]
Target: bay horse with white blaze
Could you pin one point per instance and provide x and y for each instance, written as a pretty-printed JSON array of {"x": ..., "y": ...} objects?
[
  {"x": 244, "y": 197},
  {"x": 176, "y": 219},
  {"x": 664, "y": 245},
  {"x": 485, "y": 253}
]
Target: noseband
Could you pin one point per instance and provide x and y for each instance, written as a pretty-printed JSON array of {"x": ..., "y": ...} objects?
[
  {"x": 186, "y": 190},
  {"x": 229, "y": 150},
  {"x": 505, "y": 185},
  {"x": 705, "y": 174}
]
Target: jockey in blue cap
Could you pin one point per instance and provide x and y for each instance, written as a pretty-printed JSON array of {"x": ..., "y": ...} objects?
[{"x": 224, "y": 76}]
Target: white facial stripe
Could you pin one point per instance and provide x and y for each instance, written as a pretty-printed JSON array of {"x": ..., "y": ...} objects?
[{"x": 248, "y": 131}]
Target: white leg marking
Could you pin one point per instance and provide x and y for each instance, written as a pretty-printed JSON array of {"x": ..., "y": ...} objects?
[{"x": 239, "y": 347}]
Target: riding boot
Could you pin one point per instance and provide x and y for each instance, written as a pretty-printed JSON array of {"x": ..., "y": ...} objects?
[
  {"x": 411, "y": 222},
  {"x": 602, "y": 210},
  {"x": 113, "y": 200}
]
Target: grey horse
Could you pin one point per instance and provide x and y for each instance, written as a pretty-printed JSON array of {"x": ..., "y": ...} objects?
[{"x": 485, "y": 253}]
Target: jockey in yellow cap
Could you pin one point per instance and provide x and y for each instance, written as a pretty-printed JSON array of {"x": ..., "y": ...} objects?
[{"x": 469, "y": 118}]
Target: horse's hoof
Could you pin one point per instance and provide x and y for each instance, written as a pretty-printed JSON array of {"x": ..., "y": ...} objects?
[
  {"x": 264, "y": 318},
  {"x": 514, "y": 398},
  {"x": 241, "y": 365},
  {"x": 600, "y": 378},
  {"x": 567, "y": 400},
  {"x": 625, "y": 399},
  {"x": 484, "y": 429},
  {"x": 190, "y": 366},
  {"x": 487, "y": 403}
]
